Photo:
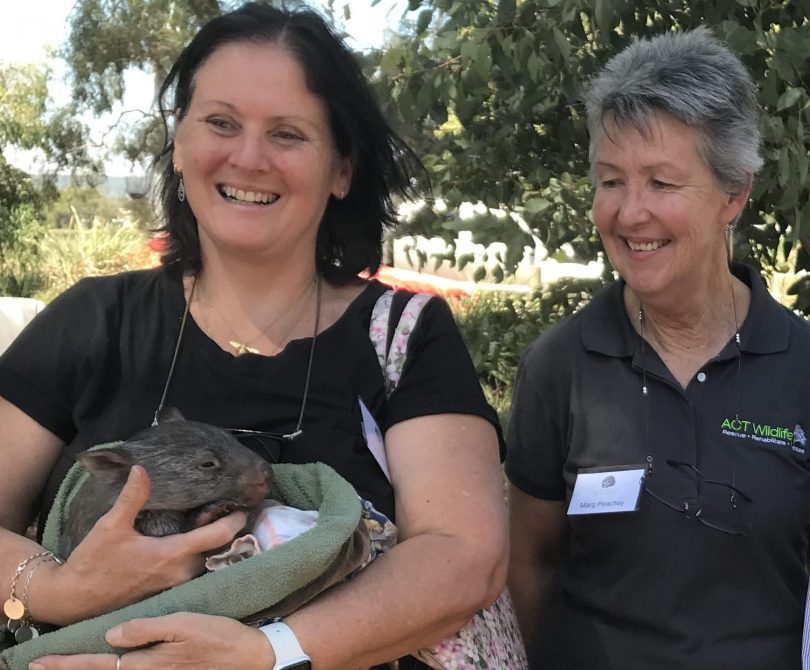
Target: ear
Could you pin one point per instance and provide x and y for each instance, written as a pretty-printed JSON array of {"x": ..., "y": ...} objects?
[
  {"x": 342, "y": 181},
  {"x": 167, "y": 414},
  {"x": 735, "y": 204},
  {"x": 101, "y": 461}
]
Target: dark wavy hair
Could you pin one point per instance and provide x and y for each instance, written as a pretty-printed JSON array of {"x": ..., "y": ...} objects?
[{"x": 350, "y": 233}]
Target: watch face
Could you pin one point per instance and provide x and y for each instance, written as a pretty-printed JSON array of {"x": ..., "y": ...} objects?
[{"x": 301, "y": 665}]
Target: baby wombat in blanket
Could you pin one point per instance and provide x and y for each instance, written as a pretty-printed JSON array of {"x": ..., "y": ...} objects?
[{"x": 198, "y": 473}]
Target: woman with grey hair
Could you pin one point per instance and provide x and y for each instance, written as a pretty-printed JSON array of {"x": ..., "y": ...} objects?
[{"x": 659, "y": 491}]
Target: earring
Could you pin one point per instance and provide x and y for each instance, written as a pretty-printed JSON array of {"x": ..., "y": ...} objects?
[
  {"x": 729, "y": 229},
  {"x": 181, "y": 190}
]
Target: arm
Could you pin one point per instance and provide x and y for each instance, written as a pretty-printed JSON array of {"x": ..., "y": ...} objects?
[
  {"x": 450, "y": 514},
  {"x": 450, "y": 562},
  {"x": 29, "y": 452},
  {"x": 535, "y": 460},
  {"x": 538, "y": 532}
]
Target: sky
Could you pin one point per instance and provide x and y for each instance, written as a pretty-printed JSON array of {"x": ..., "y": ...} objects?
[{"x": 28, "y": 28}]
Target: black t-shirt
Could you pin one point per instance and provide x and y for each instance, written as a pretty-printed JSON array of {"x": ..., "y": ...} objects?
[
  {"x": 91, "y": 369},
  {"x": 655, "y": 589}
]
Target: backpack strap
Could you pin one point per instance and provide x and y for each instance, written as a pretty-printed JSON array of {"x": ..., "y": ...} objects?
[{"x": 391, "y": 343}]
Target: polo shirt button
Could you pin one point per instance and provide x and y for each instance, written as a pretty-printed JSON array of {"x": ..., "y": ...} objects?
[{"x": 701, "y": 377}]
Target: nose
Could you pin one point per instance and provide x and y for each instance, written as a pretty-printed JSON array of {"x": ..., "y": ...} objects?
[
  {"x": 266, "y": 474},
  {"x": 258, "y": 483},
  {"x": 633, "y": 206},
  {"x": 263, "y": 476},
  {"x": 250, "y": 151}
]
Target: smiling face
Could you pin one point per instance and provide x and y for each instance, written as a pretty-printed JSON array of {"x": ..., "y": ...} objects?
[
  {"x": 658, "y": 209},
  {"x": 256, "y": 153}
]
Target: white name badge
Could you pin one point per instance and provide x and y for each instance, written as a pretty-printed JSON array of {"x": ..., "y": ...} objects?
[
  {"x": 374, "y": 438},
  {"x": 607, "y": 490}
]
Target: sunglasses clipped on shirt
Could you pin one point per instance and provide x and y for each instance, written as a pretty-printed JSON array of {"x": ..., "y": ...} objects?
[
  {"x": 732, "y": 517},
  {"x": 263, "y": 443}
]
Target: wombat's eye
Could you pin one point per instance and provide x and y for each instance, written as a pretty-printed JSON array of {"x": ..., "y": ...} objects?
[{"x": 210, "y": 464}]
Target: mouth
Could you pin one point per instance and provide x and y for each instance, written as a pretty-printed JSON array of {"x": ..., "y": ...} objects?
[
  {"x": 233, "y": 194},
  {"x": 650, "y": 245}
]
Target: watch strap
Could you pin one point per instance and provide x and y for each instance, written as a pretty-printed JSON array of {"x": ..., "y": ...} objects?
[{"x": 285, "y": 645}]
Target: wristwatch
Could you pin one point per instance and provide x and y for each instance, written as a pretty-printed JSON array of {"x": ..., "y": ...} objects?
[{"x": 289, "y": 655}]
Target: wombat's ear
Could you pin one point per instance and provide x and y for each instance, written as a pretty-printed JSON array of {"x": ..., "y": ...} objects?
[
  {"x": 105, "y": 460},
  {"x": 167, "y": 414}
]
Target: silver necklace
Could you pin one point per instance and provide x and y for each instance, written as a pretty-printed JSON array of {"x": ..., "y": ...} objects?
[{"x": 298, "y": 430}]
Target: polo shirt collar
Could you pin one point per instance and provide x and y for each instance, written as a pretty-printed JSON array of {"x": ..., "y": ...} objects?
[
  {"x": 766, "y": 329},
  {"x": 608, "y": 331}
]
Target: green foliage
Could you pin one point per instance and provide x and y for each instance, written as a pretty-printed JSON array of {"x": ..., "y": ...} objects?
[
  {"x": 490, "y": 95},
  {"x": 88, "y": 204},
  {"x": 87, "y": 248},
  {"x": 497, "y": 326},
  {"x": 23, "y": 94},
  {"x": 108, "y": 36},
  {"x": 25, "y": 123},
  {"x": 20, "y": 232}
]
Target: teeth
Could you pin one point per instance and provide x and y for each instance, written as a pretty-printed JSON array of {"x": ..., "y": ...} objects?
[
  {"x": 249, "y": 196},
  {"x": 646, "y": 246}
]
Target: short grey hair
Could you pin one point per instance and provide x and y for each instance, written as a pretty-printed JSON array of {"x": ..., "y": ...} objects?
[{"x": 694, "y": 78}]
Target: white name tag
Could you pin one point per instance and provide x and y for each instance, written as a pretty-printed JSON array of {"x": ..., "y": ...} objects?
[
  {"x": 374, "y": 438},
  {"x": 607, "y": 491}
]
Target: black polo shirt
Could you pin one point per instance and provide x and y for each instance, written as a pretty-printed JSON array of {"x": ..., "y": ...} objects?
[{"x": 656, "y": 589}]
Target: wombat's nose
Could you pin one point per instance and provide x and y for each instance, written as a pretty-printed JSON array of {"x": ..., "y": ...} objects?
[
  {"x": 266, "y": 474},
  {"x": 259, "y": 481}
]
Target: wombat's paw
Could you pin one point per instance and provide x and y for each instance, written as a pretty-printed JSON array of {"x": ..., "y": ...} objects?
[{"x": 213, "y": 511}]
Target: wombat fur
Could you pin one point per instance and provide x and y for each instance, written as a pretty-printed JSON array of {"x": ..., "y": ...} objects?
[{"x": 198, "y": 473}]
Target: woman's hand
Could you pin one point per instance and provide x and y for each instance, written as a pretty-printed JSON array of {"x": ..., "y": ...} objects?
[
  {"x": 181, "y": 640},
  {"x": 115, "y": 565}
]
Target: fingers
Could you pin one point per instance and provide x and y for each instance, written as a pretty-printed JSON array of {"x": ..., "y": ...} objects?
[
  {"x": 140, "y": 632},
  {"x": 180, "y": 640},
  {"x": 214, "y": 534},
  {"x": 132, "y": 497},
  {"x": 76, "y": 662}
]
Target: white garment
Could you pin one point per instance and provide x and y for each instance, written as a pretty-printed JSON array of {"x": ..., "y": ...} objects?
[
  {"x": 806, "y": 636},
  {"x": 275, "y": 525},
  {"x": 15, "y": 313}
]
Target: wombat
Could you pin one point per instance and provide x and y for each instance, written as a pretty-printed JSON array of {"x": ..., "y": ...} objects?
[{"x": 198, "y": 473}]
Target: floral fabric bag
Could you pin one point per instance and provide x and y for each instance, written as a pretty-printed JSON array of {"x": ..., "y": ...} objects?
[{"x": 491, "y": 640}]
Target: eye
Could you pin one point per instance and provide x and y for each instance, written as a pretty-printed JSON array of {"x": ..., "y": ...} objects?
[
  {"x": 609, "y": 183},
  {"x": 209, "y": 464},
  {"x": 220, "y": 124},
  {"x": 657, "y": 183},
  {"x": 287, "y": 136}
]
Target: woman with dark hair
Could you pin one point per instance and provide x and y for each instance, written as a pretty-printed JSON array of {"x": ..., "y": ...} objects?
[
  {"x": 276, "y": 186},
  {"x": 659, "y": 495}
]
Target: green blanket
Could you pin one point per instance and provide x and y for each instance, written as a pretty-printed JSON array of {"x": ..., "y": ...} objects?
[{"x": 272, "y": 583}]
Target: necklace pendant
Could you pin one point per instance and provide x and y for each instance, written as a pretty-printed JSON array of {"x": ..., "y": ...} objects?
[{"x": 242, "y": 348}]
